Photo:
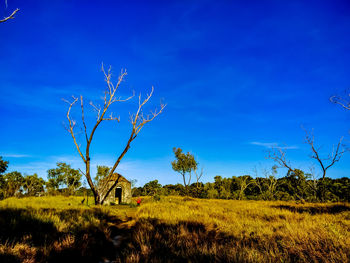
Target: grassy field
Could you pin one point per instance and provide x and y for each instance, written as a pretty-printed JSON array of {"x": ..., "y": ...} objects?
[
  {"x": 174, "y": 229},
  {"x": 58, "y": 229}
]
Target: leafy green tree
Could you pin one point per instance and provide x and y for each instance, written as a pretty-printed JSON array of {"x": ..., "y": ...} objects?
[
  {"x": 295, "y": 186},
  {"x": 301, "y": 185},
  {"x": 102, "y": 172},
  {"x": 177, "y": 189},
  {"x": 222, "y": 187},
  {"x": 152, "y": 188},
  {"x": 197, "y": 190},
  {"x": 63, "y": 176},
  {"x": 3, "y": 168},
  {"x": 137, "y": 191},
  {"x": 83, "y": 191},
  {"x": 328, "y": 193},
  {"x": 184, "y": 163},
  {"x": 267, "y": 186},
  {"x": 13, "y": 184},
  {"x": 33, "y": 185},
  {"x": 3, "y": 165},
  {"x": 211, "y": 191},
  {"x": 218, "y": 183},
  {"x": 224, "y": 193},
  {"x": 341, "y": 188},
  {"x": 55, "y": 179}
]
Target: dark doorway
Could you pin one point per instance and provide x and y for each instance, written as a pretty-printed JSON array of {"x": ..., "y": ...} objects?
[{"x": 118, "y": 195}]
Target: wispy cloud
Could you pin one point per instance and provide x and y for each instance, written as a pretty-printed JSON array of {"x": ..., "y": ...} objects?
[
  {"x": 270, "y": 145},
  {"x": 41, "y": 165},
  {"x": 10, "y": 155}
]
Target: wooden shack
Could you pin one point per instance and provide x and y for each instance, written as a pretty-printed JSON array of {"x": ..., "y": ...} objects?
[{"x": 121, "y": 193}]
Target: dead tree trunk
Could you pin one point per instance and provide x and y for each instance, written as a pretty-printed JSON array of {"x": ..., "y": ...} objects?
[
  {"x": 333, "y": 157},
  {"x": 137, "y": 120}
]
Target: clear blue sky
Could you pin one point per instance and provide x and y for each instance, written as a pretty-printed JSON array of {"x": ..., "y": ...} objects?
[{"x": 236, "y": 77}]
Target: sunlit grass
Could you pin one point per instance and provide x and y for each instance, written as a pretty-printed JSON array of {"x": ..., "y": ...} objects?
[
  {"x": 56, "y": 229},
  {"x": 253, "y": 231},
  {"x": 235, "y": 217},
  {"x": 174, "y": 229},
  {"x": 59, "y": 202}
]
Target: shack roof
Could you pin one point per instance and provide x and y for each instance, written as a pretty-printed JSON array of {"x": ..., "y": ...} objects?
[{"x": 115, "y": 177}]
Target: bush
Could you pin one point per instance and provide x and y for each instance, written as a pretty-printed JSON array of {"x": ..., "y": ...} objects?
[{"x": 156, "y": 197}]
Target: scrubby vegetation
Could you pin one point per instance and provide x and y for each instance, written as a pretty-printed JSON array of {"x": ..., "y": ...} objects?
[
  {"x": 173, "y": 229},
  {"x": 297, "y": 186}
]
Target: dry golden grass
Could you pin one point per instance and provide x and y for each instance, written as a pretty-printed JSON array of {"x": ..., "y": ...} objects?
[
  {"x": 174, "y": 229},
  {"x": 186, "y": 229},
  {"x": 57, "y": 229}
]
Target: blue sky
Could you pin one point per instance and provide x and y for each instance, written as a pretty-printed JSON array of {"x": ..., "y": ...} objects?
[{"x": 237, "y": 78}]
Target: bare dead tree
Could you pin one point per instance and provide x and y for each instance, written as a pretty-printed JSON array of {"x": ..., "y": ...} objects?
[
  {"x": 243, "y": 184},
  {"x": 198, "y": 177},
  {"x": 258, "y": 181},
  {"x": 313, "y": 182},
  {"x": 343, "y": 101},
  {"x": 271, "y": 182},
  {"x": 325, "y": 163},
  {"x": 137, "y": 120},
  {"x": 333, "y": 157},
  {"x": 11, "y": 16},
  {"x": 268, "y": 186},
  {"x": 278, "y": 154}
]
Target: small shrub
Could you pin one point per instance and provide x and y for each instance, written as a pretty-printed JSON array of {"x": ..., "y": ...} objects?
[{"x": 156, "y": 197}]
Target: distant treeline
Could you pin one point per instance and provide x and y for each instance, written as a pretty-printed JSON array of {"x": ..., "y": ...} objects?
[
  {"x": 61, "y": 180},
  {"x": 296, "y": 186}
]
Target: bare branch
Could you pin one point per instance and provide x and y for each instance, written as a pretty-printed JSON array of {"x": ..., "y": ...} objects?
[
  {"x": 333, "y": 157},
  {"x": 111, "y": 118},
  {"x": 138, "y": 120},
  {"x": 82, "y": 117},
  {"x": 345, "y": 103},
  {"x": 71, "y": 126},
  {"x": 198, "y": 176},
  {"x": 81, "y": 172},
  {"x": 113, "y": 88},
  {"x": 189, "y": 177},
  {"x": 12, "y": 16},
  {"x": 97, "y": 109},
  {"x": 119, "y": 99},
  {"x": 279, "y": 156}
]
